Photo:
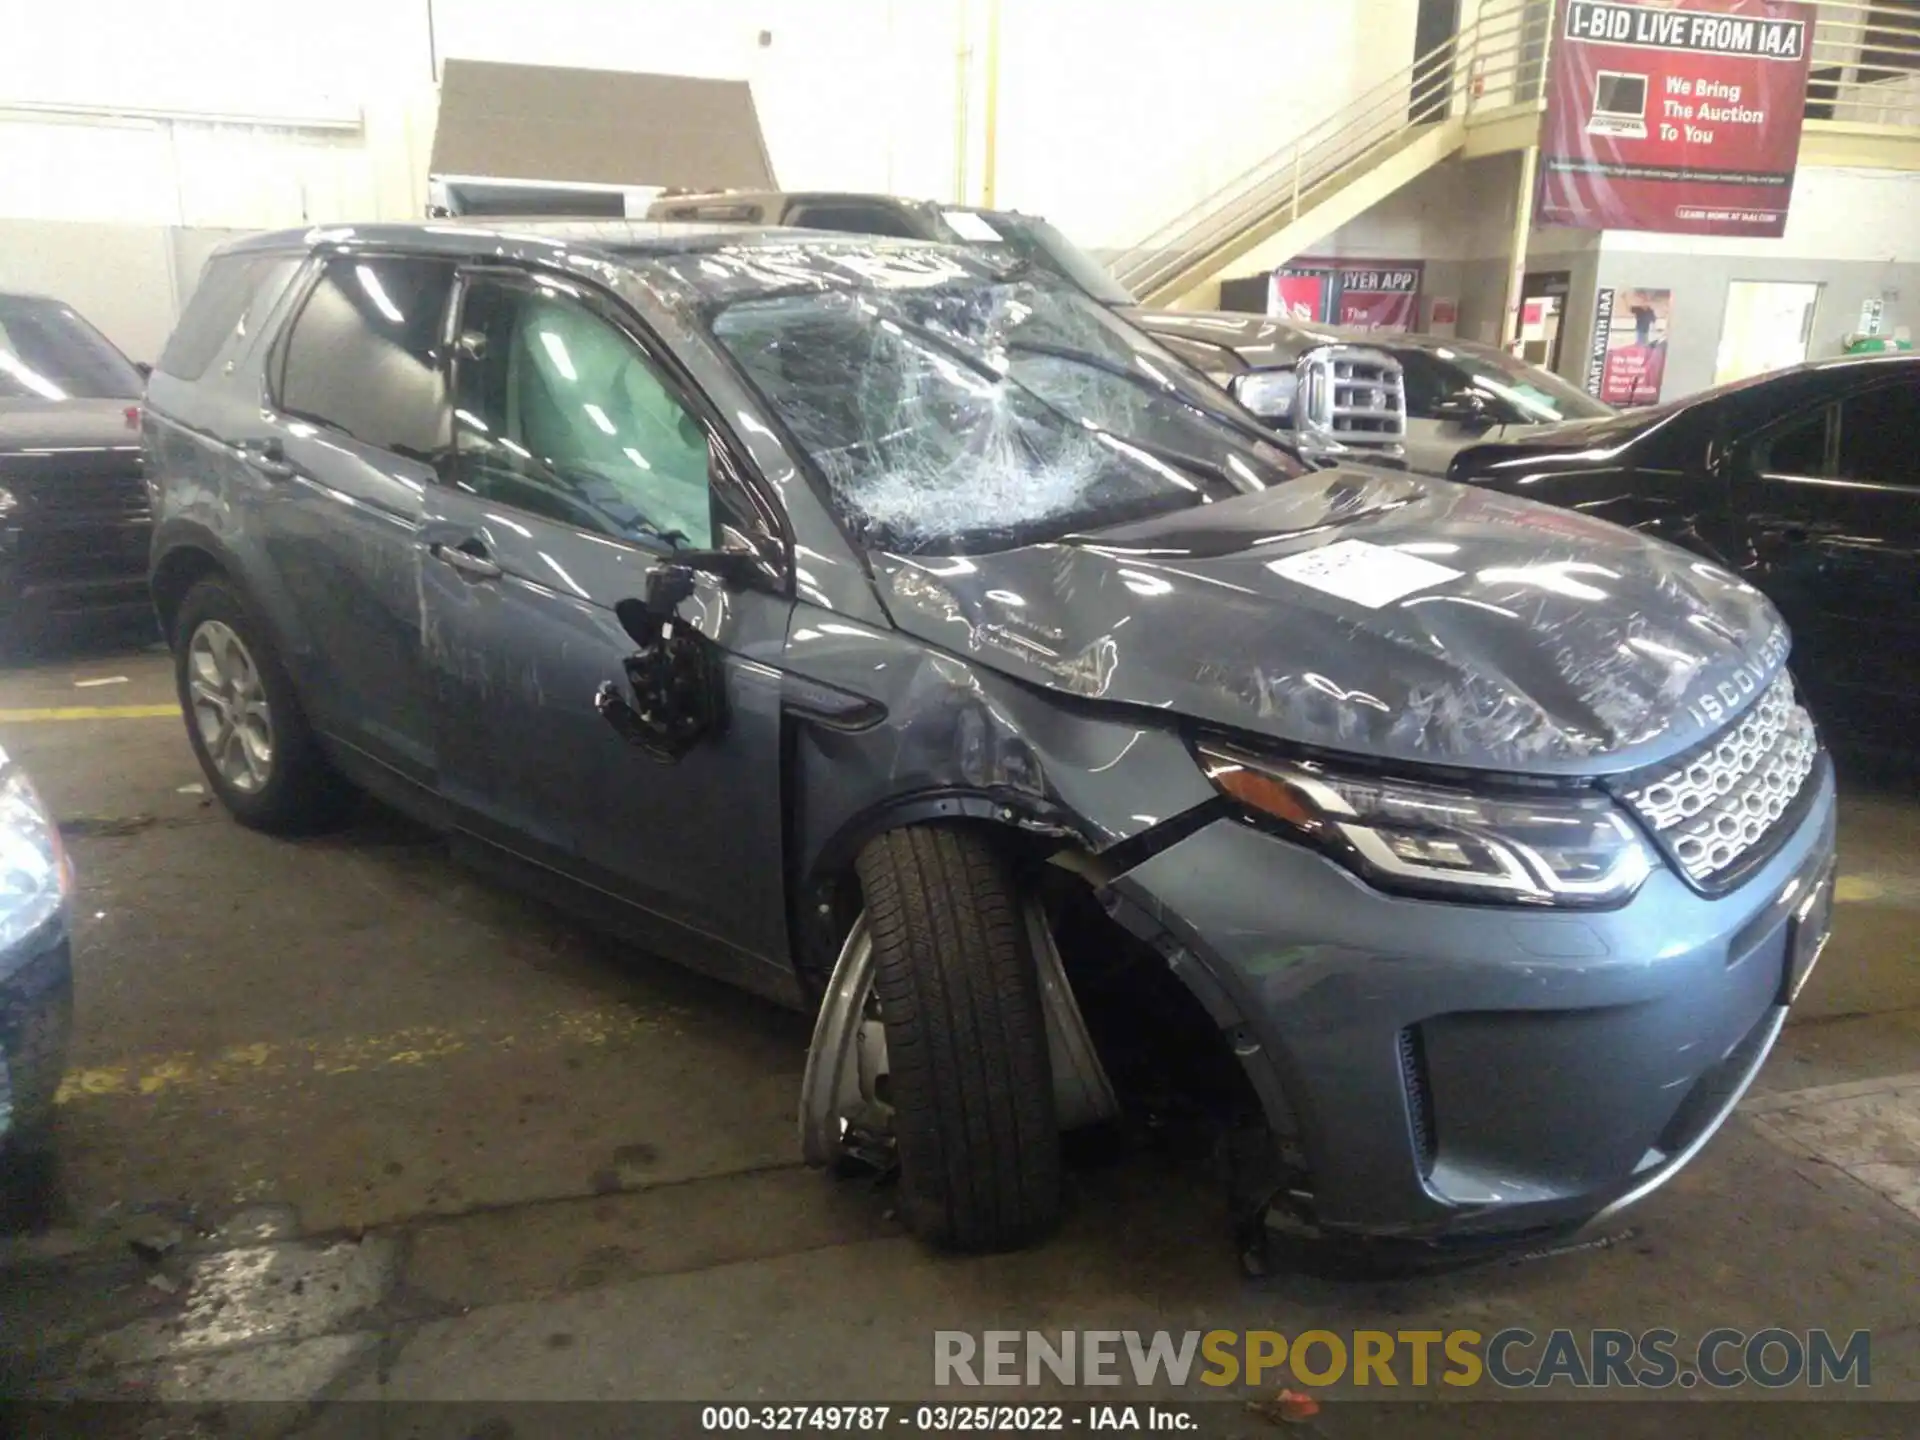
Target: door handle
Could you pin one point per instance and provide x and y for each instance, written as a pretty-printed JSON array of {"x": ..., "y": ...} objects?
[
  {"x": 268, "y": 457},
  {"x": 467, "y": 562}
]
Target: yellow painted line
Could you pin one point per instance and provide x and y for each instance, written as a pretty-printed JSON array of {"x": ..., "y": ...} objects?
[
  {"x": 411, "y": 1048},
  {"x": 88, "y": 712}
]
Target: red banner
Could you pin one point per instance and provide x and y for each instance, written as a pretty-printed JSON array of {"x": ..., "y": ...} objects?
[
  {"x": 1675, "y": 115},
  {"x": 1387, "y": 298},
  {"x": 1298, "y": 297},
  {"x": 1381, "y": 295}
]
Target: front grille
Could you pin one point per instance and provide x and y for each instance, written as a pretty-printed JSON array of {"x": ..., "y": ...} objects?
[
  {"x": 87, "y": 481},
  {"x": 1724, "y": 804},
  {"x": 1356, "y": 394},
  {"x": 53, "y": 554}
]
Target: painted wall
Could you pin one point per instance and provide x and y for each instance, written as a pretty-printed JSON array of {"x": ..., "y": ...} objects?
[
  {"x": 1850, "y": 231},
  {"x": 129, "y": 280},
  {"x": 1699, "y": 284},
  {"x": 1111, "y": 118}
]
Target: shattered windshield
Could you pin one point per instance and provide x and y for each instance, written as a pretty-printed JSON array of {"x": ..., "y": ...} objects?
[
  {"x": 1032, "y": 238},
  {"x": 983, "y": 416}
]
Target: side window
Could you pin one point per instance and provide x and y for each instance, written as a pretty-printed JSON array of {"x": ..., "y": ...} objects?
[
  {"x": 1426, "y": 380},
  {"x": 1876, "y": 435},
  {"x": 560, "y": 413},
  {"x": 363, "y": 353},
  {"x": 235, "y": 292},
  {"x": 1798, "y": 448},
  {"x": 855, "y": 219}
]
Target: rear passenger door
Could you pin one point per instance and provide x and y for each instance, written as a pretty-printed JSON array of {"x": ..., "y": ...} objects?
[
  {"x": 1829, "y": 499},
  {"x": 582, "y": 460},
  {"x": 359, "y": 418}
]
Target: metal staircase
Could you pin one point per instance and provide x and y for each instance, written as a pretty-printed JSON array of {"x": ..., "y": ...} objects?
[{"x": 1481, "y": 93}]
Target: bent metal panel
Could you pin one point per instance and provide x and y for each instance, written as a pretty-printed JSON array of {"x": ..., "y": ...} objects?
[{"x": 1675, "y": 115}]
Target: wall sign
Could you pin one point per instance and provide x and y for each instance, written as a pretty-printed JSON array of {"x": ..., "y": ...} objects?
[
  {"x": 1299, "y": 295},
  {"x": 1675, "y": 115},
  {"x": 1379, "y": 295},
  {"x": 1628, "y": 358}
]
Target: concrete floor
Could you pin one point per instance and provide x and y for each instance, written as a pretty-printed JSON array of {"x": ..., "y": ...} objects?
[{"x": 344, "y": 1120}]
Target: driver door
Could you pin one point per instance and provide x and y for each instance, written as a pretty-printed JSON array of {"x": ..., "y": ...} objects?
[{"x": 581, "y": 462}]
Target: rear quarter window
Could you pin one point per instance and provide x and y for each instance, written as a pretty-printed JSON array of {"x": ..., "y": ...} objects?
[
  {"x": 363, "y": 353},
  {"x": 233, "y": 298}
]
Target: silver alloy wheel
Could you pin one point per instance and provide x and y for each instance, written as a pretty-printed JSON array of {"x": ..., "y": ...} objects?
[
  {"x": 230, "y": 706},
  {"x": 846, "y": 1103}
]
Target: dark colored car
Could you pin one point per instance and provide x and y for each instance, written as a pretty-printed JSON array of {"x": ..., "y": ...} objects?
[
  {"x": 1805, "y": 482},
  {"x": 900, "y": 634},
  {"x": 1336, "y": 397},
  {"x": 1457, "y": 392},
  {"x": 36, "y": 964},
  {"x": 74, "y": 519}
]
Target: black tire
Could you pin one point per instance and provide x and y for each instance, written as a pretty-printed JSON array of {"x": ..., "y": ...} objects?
[
  {"x": 302, "y": 793},
  {"x": 971, "y": 1085}
]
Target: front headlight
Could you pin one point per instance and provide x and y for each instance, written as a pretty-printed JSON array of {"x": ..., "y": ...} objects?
[
  {"x": 1545, "y": 848},
  {"x": 1267, "y": 393},
  {"x": 34, "y": 876}
]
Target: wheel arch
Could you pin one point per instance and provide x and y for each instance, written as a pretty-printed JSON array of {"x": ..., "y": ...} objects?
[
  {"x": 824, "y": 890},
  {"x": 185, "y": 553}
]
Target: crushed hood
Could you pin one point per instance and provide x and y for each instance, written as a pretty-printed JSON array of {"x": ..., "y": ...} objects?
[{"x": 1375, "y": 614}]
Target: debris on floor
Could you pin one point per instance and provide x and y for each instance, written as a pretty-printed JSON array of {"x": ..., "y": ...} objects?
[{"x": 90, "y": 827}]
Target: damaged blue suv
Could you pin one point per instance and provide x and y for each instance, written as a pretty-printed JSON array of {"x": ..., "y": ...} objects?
[{"x": 891, "y": 630}]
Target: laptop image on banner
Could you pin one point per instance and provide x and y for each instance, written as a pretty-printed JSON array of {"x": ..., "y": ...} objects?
[{"x": 1619, "y": 105}]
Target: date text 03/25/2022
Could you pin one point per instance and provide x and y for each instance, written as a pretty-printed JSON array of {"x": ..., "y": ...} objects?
[{"x": 946, "y": 1419}]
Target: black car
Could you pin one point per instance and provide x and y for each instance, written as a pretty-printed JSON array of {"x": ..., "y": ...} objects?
[
  {"x": 1806, "y": 482},
  {"x": 74, "y": 517}
]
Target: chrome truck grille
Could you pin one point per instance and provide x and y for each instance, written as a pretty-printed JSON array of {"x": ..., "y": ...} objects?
[
  {"x": 1354, "y": 394},
  {"x": 1725, "y": 803}
]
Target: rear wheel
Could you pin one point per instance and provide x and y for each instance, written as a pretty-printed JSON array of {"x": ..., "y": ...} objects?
[
  {"x": 969, "y": 1080},
  {"x": 243, "y": 720}
]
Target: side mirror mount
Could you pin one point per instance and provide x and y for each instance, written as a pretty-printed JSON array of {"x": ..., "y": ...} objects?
[
  {"x": 145, "y": 369},
  {"x": 675, "y": 675},
  {"x": 1464, "y": 407}
]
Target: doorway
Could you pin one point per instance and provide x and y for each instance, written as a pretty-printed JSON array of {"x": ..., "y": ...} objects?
[
  {"x": 1543, "y": 313},
  {"x": 1768, "y": 326}
]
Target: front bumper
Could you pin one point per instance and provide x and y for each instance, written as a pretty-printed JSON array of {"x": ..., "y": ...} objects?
[
  {"x": 1459, "y": 1069},
  {"x": 85, "y": 565},
  {"x": 36, "y": 1020}
]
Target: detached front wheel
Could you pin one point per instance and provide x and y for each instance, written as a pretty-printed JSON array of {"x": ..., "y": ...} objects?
[{"x": 968, "y": 1077}]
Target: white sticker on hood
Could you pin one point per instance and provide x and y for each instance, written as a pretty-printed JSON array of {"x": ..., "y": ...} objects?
[
  {"x": 1369, "y": 575},
  {"x": 969, "y": 226}
]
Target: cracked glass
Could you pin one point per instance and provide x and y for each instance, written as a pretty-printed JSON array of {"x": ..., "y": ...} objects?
[{"x": 960, "y": 418}]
